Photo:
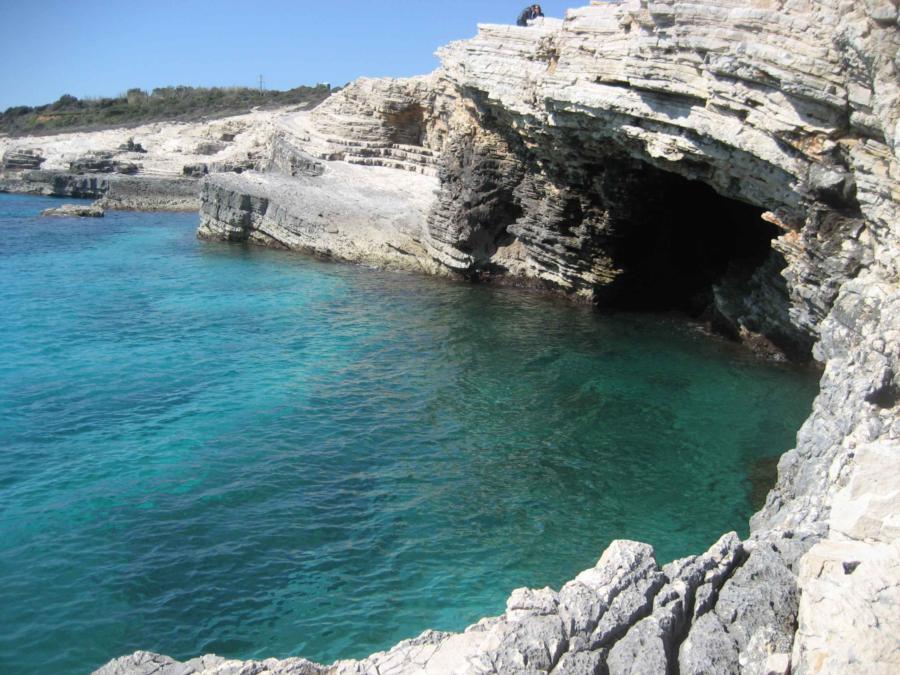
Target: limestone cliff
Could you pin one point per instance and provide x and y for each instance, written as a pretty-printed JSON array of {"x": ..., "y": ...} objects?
[
  {"x": 739, "y": 158},
  {"x": 789, "y": 107}
]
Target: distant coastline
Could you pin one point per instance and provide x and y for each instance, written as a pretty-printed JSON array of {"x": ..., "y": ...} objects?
[{"x": 163, "y": 104}]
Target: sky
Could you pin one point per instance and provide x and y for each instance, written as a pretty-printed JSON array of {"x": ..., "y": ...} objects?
[{"x": 93, "y": 48}]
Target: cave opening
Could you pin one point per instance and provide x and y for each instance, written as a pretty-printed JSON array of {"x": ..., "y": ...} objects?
[
  {"x": 677, "y": 240},
  {"x": 627, "y": 235}
]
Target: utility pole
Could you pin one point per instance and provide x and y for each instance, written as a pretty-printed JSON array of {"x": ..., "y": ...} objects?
[{"x": 262, "y": 84}]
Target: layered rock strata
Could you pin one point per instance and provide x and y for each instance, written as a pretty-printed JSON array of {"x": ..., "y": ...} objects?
[
  {"x": 368, "y": 216},
  {"x": 641, "y": 93},
  {"x": 574, "y": 155},
  {"x": 353, "y": 180},
  {"x": 21, "y": 160}
]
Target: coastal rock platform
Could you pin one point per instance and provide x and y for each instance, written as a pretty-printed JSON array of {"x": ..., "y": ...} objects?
[{"x": 364, "y": 215}]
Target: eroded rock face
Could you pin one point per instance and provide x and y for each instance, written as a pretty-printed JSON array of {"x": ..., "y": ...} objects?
[{"x": 573, "y": 155}]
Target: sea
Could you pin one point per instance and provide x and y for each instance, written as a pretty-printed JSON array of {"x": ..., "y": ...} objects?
[{"x": 207, "y": 447}]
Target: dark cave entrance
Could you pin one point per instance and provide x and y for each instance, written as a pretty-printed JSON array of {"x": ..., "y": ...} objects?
[
  {"x": 623, "y": 232},
  {"x": 680, "y": 238},
  {"x": 677, "y": 244},
  {"x": 635, "y": 237}
]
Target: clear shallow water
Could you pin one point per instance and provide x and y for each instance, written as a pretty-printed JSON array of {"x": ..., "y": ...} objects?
[{"x": 210, "y": 448}]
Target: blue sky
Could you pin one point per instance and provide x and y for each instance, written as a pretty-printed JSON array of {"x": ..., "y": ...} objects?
[{"x": 94, "y": 48}]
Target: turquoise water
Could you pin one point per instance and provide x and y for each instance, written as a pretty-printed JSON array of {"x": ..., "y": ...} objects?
[{"x": 207, "y": 448}]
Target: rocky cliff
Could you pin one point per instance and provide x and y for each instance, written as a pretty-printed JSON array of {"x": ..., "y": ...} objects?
[{"x": 737, "y": 159}]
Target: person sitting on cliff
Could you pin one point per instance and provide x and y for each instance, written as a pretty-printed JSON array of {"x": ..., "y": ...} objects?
[
  {"x": 530, "y": 14},
  {"x": 527, "y": 15}
]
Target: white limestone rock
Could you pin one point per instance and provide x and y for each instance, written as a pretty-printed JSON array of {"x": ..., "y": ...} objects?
[{"x": 365, "y": 215}]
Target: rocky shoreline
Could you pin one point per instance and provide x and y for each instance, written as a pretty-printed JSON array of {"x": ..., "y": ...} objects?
[
  {"x": 738, "y": 159},
  {"x": 154, "y": 167}
]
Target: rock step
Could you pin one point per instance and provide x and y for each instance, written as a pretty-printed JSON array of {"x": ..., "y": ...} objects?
[
  {"x": 351, "y": 143},
  {"x": 370, "y": 146},
  {"x": 394, "y": 153},
  {"x": 400, "y": 156},
  {"x": 391, "y": 164},
  {"x": 347, "y": 143},
  {"x": 419, "y": 149},
  {"x": 104, "y": 164},
  {"x": 159, "y": 173},
  {"x": 21, "y": 160}
]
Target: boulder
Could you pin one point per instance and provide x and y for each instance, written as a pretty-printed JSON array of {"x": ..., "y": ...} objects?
[
  {"x": 75, "y": 211},
  {"x": 131, "y": 146},
  {"x": 102, "y": 164},
  {"x": 22, "y": 160},
  {"x": 197, "y": 170}
]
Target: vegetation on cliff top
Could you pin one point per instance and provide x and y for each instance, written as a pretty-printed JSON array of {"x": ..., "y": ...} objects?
[{"x": 137, "y": 106}]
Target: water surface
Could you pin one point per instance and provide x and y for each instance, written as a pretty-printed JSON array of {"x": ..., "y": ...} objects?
[{"x": 208, "y": 448}]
